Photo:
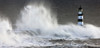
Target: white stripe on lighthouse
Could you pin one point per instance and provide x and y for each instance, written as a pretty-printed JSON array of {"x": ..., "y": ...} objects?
[
  {"x": 79, "y": 12},
  {"x": 80, "y": 17},
  {"x": 80, "y": 23}
]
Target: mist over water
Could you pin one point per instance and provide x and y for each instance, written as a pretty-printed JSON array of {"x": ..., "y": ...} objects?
[
  {"x": 36, "y": 17},
  {"x": 37, "y": 25}
]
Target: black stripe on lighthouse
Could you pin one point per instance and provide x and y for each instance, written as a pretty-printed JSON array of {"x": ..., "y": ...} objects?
[
  {"x": 80, "y": 20},
  {"x": 80, "y": 14}
]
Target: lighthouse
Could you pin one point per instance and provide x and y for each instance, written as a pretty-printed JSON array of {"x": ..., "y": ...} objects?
[{"x": 80, "y": 16}]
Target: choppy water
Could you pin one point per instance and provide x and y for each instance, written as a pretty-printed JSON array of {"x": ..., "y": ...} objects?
[{"x": 37, "y": 26}]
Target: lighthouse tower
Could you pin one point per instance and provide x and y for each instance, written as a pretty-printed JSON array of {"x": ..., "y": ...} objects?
[{"x": 80, "y": 16}]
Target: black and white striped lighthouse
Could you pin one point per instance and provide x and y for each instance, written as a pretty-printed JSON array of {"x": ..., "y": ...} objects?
[{"x": 80, "y": 16}]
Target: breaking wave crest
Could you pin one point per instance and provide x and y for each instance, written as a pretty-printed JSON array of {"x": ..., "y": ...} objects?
[{"x": 37, "y": 25}]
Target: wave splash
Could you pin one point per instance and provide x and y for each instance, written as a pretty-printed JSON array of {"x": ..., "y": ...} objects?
[{"x": 37, "y": 25}]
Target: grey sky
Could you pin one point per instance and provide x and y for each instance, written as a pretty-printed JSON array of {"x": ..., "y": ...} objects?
[{"x": 66, "y": 10}]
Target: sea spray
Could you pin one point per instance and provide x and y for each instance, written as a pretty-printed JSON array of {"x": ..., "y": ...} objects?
[
  {"x": 36, "y": 17},
  {"x": 8, "y": 37},
  {"x": 5, "y": 32}
]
